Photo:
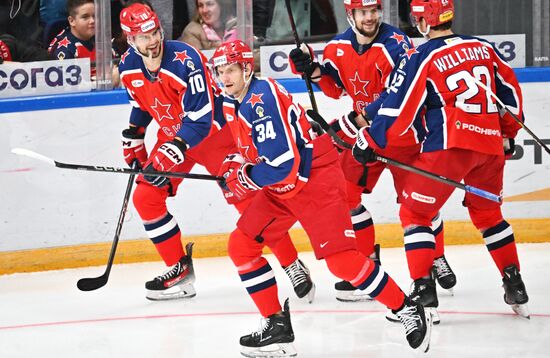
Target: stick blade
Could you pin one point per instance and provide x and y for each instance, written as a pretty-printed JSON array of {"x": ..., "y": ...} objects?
[
  {"x": 29, "y": 153},
  {"x": 92, "y": 283}
]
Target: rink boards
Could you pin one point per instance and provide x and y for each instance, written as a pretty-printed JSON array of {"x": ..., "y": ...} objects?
[{"x": 53, "y": 218}]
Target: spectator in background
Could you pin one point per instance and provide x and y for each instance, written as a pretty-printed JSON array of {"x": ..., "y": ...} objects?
[
  {"x": 12, "y": 49},
  {"x": 78, "y": 39},
  {"x": 213, "y": 23}
]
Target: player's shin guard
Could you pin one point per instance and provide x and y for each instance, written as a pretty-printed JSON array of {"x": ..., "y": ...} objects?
[
  {"x": 366, "y": 275},
  {"x": 438, "y": 231},
  {"x": 364, "y": 233},
  {"x": 259, "y": 280},
  {"x": 420, "y": 251},
  {"x": 364, "y": 230},
  {"x": 166, "y": 235},
  {"x": 161, "y": 227},
  {"x": 499, "y": 240},
  {"x": 285, "y": 251}
]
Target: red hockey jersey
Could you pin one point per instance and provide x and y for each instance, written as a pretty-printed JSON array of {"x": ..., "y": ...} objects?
[{"x": 438, "y": 78}]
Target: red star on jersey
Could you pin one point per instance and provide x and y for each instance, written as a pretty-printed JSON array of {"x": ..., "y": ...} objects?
[
  {"x": 359, "y": 86},
  {"x": 64, "y": 42},
  {"x": 410, "y": 52},
  {"x": 162, "y": 110},
  {"x": 398, "y": 38},
  {"x": 181, "y": 56},
  {"x": 255, "y": 99},
  {"x": 123, "y": 57},
  {"x": 243, "y": 149}
]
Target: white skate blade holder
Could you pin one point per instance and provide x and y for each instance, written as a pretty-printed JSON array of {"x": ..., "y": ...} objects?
[
  {"x": 353, "y": 296},
  {"x": 172, "y": 293},
  {"x": 392, "y": 317},
  {"x": 521, "y": 310},
  {"x": 425, "y": 345},
  {"x": 310, "y": 295},
  {"x": 272, "y": 350}
]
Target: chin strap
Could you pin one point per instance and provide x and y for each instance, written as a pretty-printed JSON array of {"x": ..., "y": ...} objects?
[{"x": 425, "y": 34}]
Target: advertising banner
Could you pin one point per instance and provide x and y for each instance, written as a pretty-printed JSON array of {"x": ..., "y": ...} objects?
[
  {"x": 19, "y": 79},
  {"x": 274, "y": 59}
]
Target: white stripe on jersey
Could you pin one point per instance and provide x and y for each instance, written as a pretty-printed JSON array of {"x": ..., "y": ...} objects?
[
  {"x": 196, "y": 115},
  {"x": 174, "y": 77},
  {"x": 286, "y": 156}
]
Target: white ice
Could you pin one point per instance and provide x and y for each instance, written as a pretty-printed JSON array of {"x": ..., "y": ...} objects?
[{"x": 44, "y": 314}]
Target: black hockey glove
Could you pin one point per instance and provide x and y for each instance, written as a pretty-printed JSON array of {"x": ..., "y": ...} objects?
[
  {"x": 509, "y": 147},
  {"x": 301, "y": 61},
  {"x": 361, "y": 151}
]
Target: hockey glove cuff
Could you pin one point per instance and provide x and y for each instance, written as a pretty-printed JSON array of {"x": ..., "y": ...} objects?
[
  {"x": 346, "y": 128},
  {"x": 133, "y": 146},
  {"x": 362, "y": 151},
  {"x": 231, "y": 163},
  {"x": 167, "y": 158},
  {"x": 240, "y": 183}
]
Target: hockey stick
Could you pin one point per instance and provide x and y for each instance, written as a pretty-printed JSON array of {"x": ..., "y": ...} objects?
[
  {"x": 298, "y": 43},
  {"x": 502, "y": 105},
  {"x": 93, "y": 283},
  {"x": 104, "y": 169},
  {"x": 467, "y": 188}
]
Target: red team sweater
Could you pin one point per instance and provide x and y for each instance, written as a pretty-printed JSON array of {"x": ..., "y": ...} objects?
[
  {"x": 180, "y": 98},
  {"x": 436, "y": 79}
]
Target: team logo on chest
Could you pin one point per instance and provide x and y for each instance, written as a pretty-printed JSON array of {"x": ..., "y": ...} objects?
[
  {"x": 181, "y": 56},
  {"x": 162, "y": 110},
  {"x": 255, "y": 99},
  {"x": 359, "y": 85},
  {"x": 410, "y": 53},
  {"x": 398, "y": 38}
]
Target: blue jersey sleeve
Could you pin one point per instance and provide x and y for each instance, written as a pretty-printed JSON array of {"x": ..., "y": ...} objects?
[{"x": 197, "y": 101}]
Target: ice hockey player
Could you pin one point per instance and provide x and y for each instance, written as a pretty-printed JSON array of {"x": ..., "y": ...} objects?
[
  {"x": 464, "y": 141},
  {"x": 295, "y": 176},
  {"x": 358, "y": 62},
  {"x": 162, "y": 78}
]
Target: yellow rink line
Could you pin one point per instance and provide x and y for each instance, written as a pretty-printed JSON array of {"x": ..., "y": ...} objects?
[{"x": 388, "y": 235}]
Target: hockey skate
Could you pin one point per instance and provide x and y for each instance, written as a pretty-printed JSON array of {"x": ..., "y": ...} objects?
[
  {"x": 422, "y": 291},
  {"x": 346, "y": 292},
  {"x": 175, "y": 283},
  {"x": 443, "y": 273},
  {"x": 514, "y": 291},
  {"x": 417, "y": 323},
  {"x": 301, "y": 280},
  {"x": 274, "y": 339}
]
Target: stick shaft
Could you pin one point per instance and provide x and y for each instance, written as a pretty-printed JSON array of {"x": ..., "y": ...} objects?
[
  {"x": 470, "y": 189},
  {"x": 298, "y": 43}
]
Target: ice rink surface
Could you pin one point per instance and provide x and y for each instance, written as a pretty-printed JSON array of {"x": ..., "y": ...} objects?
[{"x": 44, "y": 314}]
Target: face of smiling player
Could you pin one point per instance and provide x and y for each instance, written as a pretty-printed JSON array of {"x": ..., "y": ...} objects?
[
  {"x": 149, "y": 44},
  {"x": 367, "y": 20}
]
